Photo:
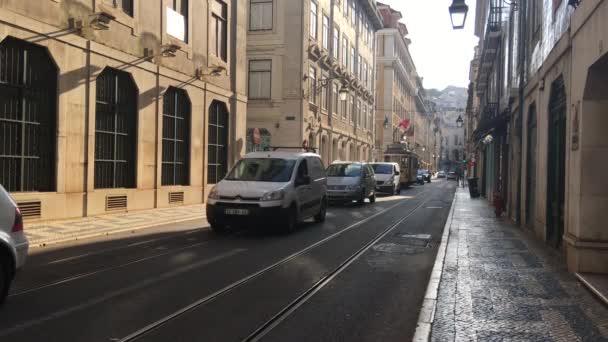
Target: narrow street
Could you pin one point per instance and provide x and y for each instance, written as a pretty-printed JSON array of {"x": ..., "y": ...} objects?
[{"x": 359, "y": 276}]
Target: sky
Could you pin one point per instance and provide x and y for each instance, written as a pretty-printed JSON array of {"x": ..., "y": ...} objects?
[{"x": 442, "y": 55}]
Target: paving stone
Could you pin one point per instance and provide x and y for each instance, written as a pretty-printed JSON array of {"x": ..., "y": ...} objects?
[{"x": 500, "y": 284}]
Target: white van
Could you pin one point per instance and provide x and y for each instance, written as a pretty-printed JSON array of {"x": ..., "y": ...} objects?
[
  {"x": 13, "y": 243},
  {"x": 278, "y": 188},
  {"x": 387, "y": 177}
]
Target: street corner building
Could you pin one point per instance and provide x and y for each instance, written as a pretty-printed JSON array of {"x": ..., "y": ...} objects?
[
  {"x": 119, "y": 105},
  {"x": 537, "y": 120},
  {"x": 404, "y": 117},
  {"x": 311, "y": 76}
]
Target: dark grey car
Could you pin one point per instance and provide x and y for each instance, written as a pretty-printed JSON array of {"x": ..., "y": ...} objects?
[{"x": 351, "y": 181}]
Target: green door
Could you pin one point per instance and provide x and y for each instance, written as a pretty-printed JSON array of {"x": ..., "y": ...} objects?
[{"x": 556, "y": 166}]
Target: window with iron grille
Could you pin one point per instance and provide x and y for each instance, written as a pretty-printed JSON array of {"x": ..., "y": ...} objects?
[
  {"x": 115, "y": 123},
  {"x": 125, "y": 5},
  {"x": 176, "y": 138},
  {"x": 28, "y": 95},
  {"x": 218, "y": 142}
]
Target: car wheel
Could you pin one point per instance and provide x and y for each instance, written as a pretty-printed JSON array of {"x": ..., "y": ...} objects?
[
  {"x": 292, "y": 220},
  {"x": 372, "y": 198},
  {"x": 361, "y": 199},
  {"x": 320, "y": 217},
  {"x": 4, "y": 281},
  {"x": 217, "y": 228}
]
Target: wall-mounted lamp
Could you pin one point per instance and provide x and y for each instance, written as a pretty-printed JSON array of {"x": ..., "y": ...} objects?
[
  {"x": 101, "y": 21},
  {"x": 170, "y": 50},
  {"x": 215, "y": 71}
]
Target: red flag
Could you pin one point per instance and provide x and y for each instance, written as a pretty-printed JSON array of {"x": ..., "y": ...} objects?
[{"x": 404, "y": 124}]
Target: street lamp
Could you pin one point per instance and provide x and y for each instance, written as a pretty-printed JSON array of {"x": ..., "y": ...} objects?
[
  {"x": 459, "y": 122},
  {"x": 458, "y": 14},
  {"x": 343, "y": 93}
]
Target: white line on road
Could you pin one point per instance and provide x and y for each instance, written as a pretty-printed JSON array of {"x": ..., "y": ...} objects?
[
  {"x": 76, "y": 257},
  {"x": 88, "y": 274},
  {"x": 110, "y": 295}
]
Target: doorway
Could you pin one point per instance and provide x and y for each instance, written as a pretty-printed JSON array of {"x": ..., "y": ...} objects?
[
  {"x": 556, "y": 164},
  {"x": 531, "y": 168}
]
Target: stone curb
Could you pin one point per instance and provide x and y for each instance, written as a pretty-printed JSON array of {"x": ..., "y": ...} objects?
[
  {"x": 41, "y": 243},
  {"x": 598, "y": 294},
  {"x": 429, "y": 304}
]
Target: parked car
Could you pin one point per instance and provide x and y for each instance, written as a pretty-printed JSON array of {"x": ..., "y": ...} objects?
[
  {"x": 420, "y": 177},
  {"x": 426, "y": 174},
  {"x": 13, "y": 243},
  {"x": 348, "y": 181},
  {"x": 441, "y": 174},
  {"x": 451, "y": 175},
  {"x": 387, "y": 177},
  {"x": 277, "y": 188}
]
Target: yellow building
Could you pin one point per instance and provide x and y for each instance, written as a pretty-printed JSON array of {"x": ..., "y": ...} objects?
[
  {"x": 311, "y": 71},
  {"x": 119, "y": 105}
]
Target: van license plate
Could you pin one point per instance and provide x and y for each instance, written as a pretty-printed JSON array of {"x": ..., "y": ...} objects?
[{"x": 239, "y": 212}]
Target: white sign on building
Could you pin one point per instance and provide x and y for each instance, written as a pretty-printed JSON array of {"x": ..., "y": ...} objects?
[{"x": 176, "y": 24}]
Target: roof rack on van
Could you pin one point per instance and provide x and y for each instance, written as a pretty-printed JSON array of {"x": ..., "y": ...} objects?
[{"x": 307, "y": 149}]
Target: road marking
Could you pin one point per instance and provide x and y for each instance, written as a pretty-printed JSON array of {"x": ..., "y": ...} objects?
[
  {"x": 434, "y": 207},
  {"x": 246, "y": 279},
  {"x": 110, "y": 295},
  {"x": 80, "y": 256},
  {"x": 88, "y": 274},
  {"x": 418, "y": 236}
]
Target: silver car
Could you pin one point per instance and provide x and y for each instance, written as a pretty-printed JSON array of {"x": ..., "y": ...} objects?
[
  {"x": 13, "y": 243},
  {"x": 348, "y": 181}
]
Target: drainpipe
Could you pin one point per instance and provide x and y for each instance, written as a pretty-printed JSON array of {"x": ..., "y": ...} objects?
[
  {"x": 87, "y": 115},
  {"x": 522, "y": 73}
]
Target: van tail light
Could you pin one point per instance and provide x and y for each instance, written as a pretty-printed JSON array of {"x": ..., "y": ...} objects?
[{"x": 18, "y": 225}]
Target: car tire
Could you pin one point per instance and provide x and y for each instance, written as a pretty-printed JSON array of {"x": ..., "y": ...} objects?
[
  {"x": 361, "y": 199},
  {"x": 5, "y": 280},
  {"x": 320, "y": 217},
  {"x": 291, "y": 223},
  {"x": 372, "y": 198},
  {"x": 217, "y": 228}
]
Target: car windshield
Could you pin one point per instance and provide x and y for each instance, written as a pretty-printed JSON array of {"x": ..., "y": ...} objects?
[
  {"x": 262, "y": 170},
  {"x": 344, "y": 170},
  {"x": 385, "y": 169}
]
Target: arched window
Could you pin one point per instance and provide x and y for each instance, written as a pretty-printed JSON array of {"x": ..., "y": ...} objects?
[
  {"x": 217, "y": 165},
  {"x": 115, "y": 130},
  {"x": 28, "y": 115},
  {"x": 176, "y": 138}
]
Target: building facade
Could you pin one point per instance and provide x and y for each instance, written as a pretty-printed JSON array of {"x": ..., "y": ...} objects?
[
  {"x": 402, "y": 112},
  {"x": 119, "y": 105},
  {"x": 310, "y": 76},
  {"x": 545, "y": 148}
]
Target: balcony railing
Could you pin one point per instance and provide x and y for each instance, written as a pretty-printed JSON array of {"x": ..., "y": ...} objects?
[
  {"x": 490, "y": 111},
  {"x": 495, "y": 16}
]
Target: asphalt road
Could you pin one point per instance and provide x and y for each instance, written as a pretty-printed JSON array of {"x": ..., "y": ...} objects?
[{"x": 360, "y": 276}]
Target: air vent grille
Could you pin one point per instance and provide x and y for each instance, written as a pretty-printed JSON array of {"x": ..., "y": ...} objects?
[
  {"x": 30, "y": 209},
  {"x": 176, "y": 197},
  {"x": 116, "y": 202}
]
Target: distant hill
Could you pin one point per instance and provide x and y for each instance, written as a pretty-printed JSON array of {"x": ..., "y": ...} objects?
[{"x": 449, "y": 98}]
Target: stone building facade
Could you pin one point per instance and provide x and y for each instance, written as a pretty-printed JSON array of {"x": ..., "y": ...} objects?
[
  {"x": 119, "y": 105},
  {"x": 302, "y": 56},
  {"x": 549, "y": 127},
  {"x": 399, "y": 91}
]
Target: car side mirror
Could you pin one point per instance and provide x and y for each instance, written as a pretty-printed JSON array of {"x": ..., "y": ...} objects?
[
  {"x": 304, "y": 180},
  {"x": 397, "y": 173}
]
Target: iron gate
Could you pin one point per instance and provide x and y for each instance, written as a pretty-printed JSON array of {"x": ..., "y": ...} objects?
[
  {"x": 28, "y": 114},
  {"x": 115, "y": 122},
  {"x": 176, "y": 137}
]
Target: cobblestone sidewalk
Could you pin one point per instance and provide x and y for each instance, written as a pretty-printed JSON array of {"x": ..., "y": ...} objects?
[
  {"x": 40, "y": 234},
  {"x": 499, "y": 284}
]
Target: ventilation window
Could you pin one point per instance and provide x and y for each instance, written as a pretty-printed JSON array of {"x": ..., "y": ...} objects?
[
  {"x": 30, "y": 209},
  {"x": 176, "y": 197},
  {"x": 116, "y": 202}
]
